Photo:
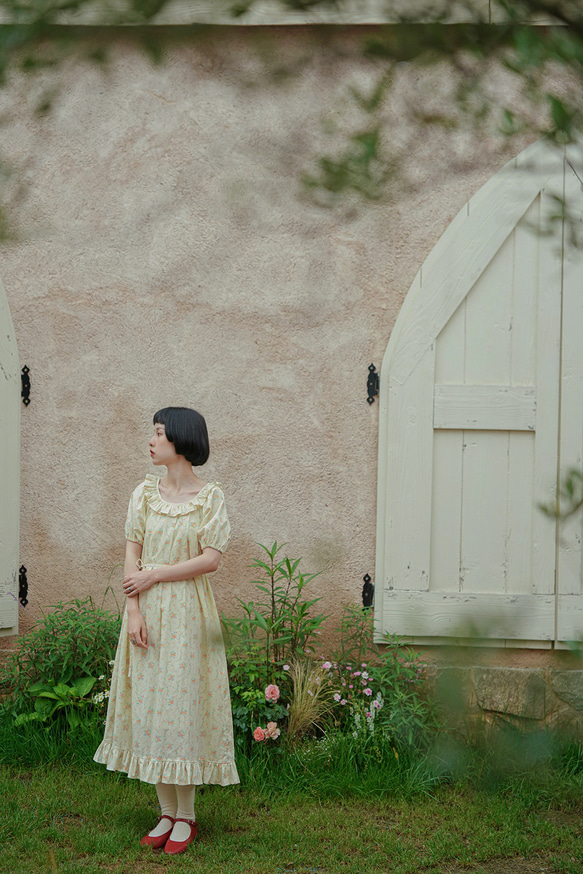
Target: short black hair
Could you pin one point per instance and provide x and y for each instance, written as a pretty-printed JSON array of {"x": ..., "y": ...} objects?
[{"x": 187, "y": 430}]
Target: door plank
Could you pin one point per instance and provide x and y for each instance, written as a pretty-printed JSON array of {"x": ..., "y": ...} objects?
[{"x": 485, "y": 407}]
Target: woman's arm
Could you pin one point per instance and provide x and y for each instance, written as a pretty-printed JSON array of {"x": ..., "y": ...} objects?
[
  {"x": 137, "y": 631},
  {"x": 138, "y": 581}
]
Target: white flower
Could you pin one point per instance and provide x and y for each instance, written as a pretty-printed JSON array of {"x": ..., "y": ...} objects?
[
  {"x": 327, "y": 666},
  {"x": 285, "y": 667}
]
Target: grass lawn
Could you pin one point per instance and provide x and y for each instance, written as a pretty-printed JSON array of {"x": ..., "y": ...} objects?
[{"x": 71, "y": 818}]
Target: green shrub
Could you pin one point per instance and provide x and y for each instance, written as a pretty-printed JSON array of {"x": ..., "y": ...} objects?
[
  {"x": 274, "y": 632},
  {"x": 376, "y": 689},
  {"x": 74, "y": 640},
  {"x": 281, "y": 626}
]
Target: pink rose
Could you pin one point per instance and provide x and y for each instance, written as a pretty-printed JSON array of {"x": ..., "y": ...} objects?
[
  {"x": 272, "y": 730},
  {"x": 259, "y": 734},
  {"x": 272, "y": 693}
]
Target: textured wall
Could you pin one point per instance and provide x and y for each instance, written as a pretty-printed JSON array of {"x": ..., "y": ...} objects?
[{"x": 167, "y": 255}]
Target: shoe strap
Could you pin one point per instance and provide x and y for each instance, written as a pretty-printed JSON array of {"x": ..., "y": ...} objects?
[{"x": 189, "y": 821}]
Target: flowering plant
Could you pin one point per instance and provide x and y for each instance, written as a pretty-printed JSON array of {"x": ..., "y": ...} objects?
[
  {"x": 101, "y": 690},
  {"x": 272, "y": 693},
  {"x": 355, "y": 689},
  {"x": 380, "y": 693},
  {"x": 263, "y": 643},
  {"x": 271, "y": 732}
]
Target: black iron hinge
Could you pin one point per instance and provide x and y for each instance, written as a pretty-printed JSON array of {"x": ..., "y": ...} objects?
[
  {"x": 367, "y": 592},
  {"x": 372, "y": 384},
  {"x": 22, "y": 586},
  {"x": 25, "y": 385}
]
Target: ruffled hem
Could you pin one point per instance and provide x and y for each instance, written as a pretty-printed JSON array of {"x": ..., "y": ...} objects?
[
  {"x": 175, "y": 771},
  {"x": 159, "y": 505}
]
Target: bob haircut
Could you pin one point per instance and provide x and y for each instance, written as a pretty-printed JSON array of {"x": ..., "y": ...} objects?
[{"x": 187, "y": 430}]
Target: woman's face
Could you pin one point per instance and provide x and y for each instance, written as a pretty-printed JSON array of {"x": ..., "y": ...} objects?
[{"x": 162, "y": 450}]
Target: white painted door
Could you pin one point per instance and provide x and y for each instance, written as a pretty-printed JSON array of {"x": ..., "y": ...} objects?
[
  {"x": 9, "y": 471},
  {"x": 469, "y": 421}
]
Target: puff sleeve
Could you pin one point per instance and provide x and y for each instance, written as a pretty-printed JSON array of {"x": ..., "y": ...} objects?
[
  {"x": 135, "y": 527},
  {"x": 215, "y": 528}
]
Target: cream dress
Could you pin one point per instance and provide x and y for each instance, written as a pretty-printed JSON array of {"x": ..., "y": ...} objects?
[{"x": 169, "y": 713}]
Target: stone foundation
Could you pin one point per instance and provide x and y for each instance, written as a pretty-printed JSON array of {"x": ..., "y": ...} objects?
[{"x": 529, "y": 697}]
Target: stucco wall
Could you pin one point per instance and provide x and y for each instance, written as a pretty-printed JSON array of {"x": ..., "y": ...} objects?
[{"x": 168, "y": 255}]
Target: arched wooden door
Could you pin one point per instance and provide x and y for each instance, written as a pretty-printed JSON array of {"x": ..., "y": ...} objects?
[
  {"x": 9, "y": 470},
  {"x": 481, "y": 402}
]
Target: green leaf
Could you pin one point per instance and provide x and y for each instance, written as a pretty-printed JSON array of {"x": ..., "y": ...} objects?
[{"x": 84, "y": 685}]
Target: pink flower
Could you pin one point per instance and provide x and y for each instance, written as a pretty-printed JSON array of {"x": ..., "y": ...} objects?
[
  {"x": 272, "y": 693},
  {"x": 351, "y": 686},
  {"x": 259, "y": 734},
  {"x": 363, "y": 665},
  {"x": 327, "y": 666},
  {"x": 272, "y": 730},
  {"x": 343, "y": 701},
  {"x": 337, "y": 696},
  {"x": 368, "y": 691},
  {"x": 356, "y": 674}
]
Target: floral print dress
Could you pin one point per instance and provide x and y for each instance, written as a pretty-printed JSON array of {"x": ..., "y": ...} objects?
[{"x": 169, "y": 713}]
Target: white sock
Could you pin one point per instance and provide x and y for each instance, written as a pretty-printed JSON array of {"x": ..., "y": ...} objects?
[
  {"x": 185, "y": 810},
  {"x": 167, "y": 799}
]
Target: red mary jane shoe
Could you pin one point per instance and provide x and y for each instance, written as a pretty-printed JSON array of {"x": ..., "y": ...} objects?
[
  {"x": 160, "y": 840},
  {"x": 172, "y": 848}
]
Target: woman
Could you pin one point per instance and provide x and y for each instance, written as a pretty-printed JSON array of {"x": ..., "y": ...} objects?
[{"x": 169, "y": 714}]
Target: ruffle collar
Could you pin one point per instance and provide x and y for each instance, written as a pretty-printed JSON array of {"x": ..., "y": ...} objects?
[{"x": 157, "y": 503}]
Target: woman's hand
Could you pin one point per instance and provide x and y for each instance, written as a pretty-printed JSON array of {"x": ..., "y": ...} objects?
[
  {"x": 137, "y": 631},
  {"x": 138, "y": 581}
]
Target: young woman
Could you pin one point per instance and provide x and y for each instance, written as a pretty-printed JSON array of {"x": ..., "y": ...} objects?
[{"x": 169, "y": 714}]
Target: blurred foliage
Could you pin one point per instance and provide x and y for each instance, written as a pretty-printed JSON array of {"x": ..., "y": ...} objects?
[
  {"x": 364, "y": 160},
  {"x": 570, "y": 497}
]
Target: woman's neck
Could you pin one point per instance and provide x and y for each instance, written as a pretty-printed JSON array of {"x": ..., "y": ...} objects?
[{"x": 181, "y": 480}]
